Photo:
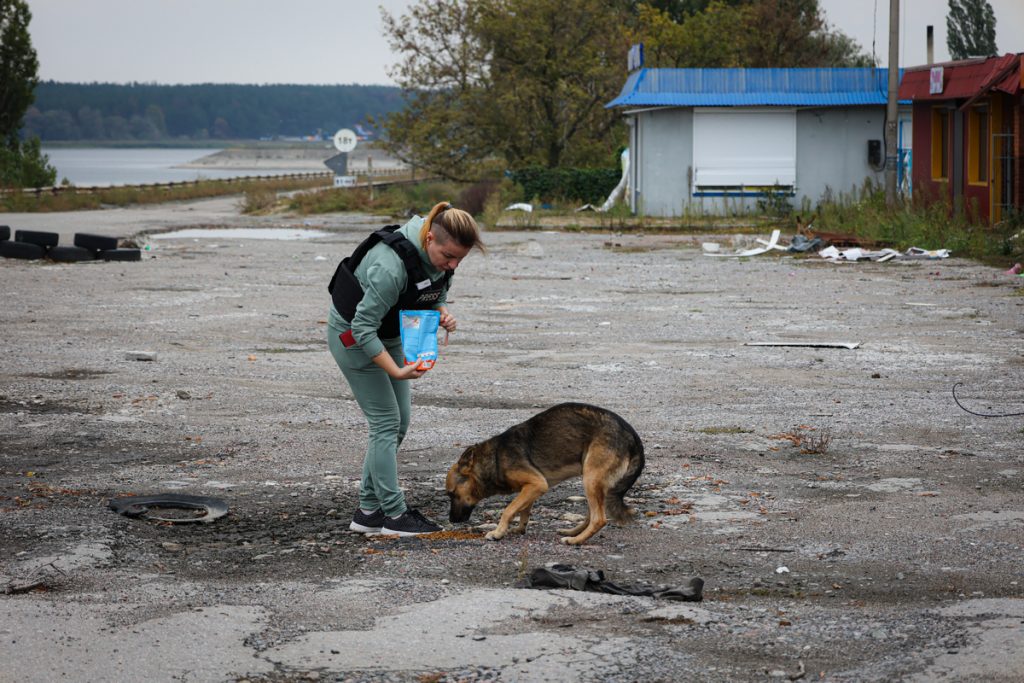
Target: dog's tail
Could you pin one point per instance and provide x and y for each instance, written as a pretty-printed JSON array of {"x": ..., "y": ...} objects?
[{"x": 615, "y": 507}]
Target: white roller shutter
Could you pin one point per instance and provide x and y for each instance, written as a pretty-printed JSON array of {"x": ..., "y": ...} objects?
[{"x": 735, "y": 148}]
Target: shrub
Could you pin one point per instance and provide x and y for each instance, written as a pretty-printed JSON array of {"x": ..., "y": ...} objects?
[
  {"x": 474, "y": 198},
  {"x": 923, "y": 221},
  {"x": 591, "y": 185}
]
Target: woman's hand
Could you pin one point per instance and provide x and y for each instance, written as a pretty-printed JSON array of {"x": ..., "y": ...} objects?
[
  {"x": 448, "y": 321},
  {"x": 408, "y": 372},
  {"x": 385, "y": 362}
]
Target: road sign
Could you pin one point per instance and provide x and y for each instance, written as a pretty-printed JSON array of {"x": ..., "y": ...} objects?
[
  {"x": 345, "y": 140},
  {"x": 338, "y": 163}
]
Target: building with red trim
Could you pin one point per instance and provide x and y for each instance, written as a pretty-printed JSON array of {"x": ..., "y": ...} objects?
[{"x": 968, "y": 133}]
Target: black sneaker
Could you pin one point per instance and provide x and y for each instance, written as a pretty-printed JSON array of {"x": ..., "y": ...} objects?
[
  {"x": 367, "y": 524},
  {"x": 409, "y": 523}
]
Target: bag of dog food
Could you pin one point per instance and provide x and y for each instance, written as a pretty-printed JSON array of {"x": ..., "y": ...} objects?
[{"x": 419, "y": 337}]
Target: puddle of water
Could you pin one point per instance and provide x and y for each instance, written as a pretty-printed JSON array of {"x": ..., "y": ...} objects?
[{"x": 241, "y": 234}]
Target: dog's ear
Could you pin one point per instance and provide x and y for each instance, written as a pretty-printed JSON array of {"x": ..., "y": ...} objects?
[{"x": 465, "y": 464}]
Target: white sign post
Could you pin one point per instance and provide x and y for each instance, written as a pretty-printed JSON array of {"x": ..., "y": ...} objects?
[{"x": 344, "y": 141}]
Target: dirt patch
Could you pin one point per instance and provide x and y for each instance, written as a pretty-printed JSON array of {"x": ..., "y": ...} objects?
[{"x": 70, "y": 373}]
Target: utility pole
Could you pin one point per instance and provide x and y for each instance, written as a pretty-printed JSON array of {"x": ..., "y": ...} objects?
[{"x": 891, "y": 110}]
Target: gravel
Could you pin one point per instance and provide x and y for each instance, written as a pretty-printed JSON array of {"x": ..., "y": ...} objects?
[{"x": 203, "y": 370}]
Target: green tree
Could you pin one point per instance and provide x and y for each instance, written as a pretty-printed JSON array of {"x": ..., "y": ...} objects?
[
  {"x": 754, "y": 33},
  {"x": 678, "y": 10},
  {"x": 21, "y": 164},
  {"x": 711, "y": 38},
  {"x": 494, "y": 84},
  {"x": 795, "y": 34},
  {"x": 970, "y": 29}
]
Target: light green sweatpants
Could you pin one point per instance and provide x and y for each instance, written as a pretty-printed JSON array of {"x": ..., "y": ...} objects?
[{"x": 387, "y": 405}]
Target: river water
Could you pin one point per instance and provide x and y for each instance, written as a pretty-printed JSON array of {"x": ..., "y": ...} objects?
[{"x": 91, "y": 166}]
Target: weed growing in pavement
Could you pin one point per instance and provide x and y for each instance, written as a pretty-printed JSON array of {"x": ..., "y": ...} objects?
[
  {"x": 809, "y": 440},
  {"x": 816, "y": 444},
  {"x": 524, "y": 558},
  {"x": 258, "y": 200}
]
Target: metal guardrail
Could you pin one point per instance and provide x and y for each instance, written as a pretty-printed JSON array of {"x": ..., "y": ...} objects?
[
  {"x": 378, "y": 171},
  {"x": 91, "y": 189},
  {"x": 79, "y": 189}
]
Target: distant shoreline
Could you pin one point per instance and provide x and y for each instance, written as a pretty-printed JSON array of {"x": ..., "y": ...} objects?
[
  {"x": 297, "y": 159},
  {"x": 187, "y": 144}
]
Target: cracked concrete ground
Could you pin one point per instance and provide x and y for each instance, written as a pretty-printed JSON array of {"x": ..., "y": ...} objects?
[{"x": 850, "y": 521}]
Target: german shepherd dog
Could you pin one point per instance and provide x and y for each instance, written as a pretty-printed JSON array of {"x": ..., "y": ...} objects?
[{"x": 564, "y": 441}]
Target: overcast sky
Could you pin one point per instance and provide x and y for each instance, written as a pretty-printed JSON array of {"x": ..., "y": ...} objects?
[{"x": 340, "y": 41}]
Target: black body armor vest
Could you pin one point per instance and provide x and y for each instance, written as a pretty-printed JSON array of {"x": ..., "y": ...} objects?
[{"x": 420, "y": 293}]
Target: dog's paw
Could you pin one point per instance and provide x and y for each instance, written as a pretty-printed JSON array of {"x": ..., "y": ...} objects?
[{"x": 493, "y": 536}]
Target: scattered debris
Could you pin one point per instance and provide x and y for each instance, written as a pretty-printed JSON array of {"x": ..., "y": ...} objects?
[
  {"x": 568, "y": 576},
  {"x": 831, "y": 253},
  {"x": 140, "y": 355},
  {"x": 801, "y": 244},
  {"x": 138, "y": 506},
  {"x": 834, "y": 255},
  {"x": 43, "y": 578},
  {"x": 918, "y": 253},
  {"x": 836, "y": 239},
  {"x": 770, "y": 244}
]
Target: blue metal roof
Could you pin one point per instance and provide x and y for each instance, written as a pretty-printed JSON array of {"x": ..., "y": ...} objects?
[{"x": 754, "y": 87}]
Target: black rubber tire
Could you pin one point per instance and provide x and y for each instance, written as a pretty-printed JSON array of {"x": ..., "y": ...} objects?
[
  {"x": 22, "y": 250},
  {"x": 43, "y": 239},
  {"x": 95, "y": 242},
  {"x": 5, "y": 232},
  {"x": 138, "y": 506},
  {"x": 121, "y": 255},
  {"x": 71, "y": 254}
]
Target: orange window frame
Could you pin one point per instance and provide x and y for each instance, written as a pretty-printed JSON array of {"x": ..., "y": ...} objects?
[
  {"x": 940, "y": 143},
  {"x": 979, "y": 145}
]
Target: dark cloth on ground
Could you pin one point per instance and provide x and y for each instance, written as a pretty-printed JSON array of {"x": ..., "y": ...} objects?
[{"x": 583, "y": 579}]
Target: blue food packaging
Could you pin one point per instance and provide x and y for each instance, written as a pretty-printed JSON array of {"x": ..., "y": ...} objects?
[{"x": 419, "y": 337}]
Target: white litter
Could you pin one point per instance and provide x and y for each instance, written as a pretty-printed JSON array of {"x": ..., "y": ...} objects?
[
  {"x": 520, "y": 206},
  {"x": 834, "y": 255},
  {"x": 917, "y": 252},
  {"x": 769, "y": 245}
]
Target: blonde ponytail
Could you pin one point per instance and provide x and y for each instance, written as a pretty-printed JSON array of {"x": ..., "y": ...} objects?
[{"x": 455, "y": 224}]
